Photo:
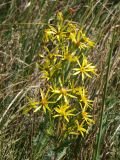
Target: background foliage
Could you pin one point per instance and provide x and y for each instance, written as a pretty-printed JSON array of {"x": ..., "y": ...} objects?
[{"x": 21, "y": 31}]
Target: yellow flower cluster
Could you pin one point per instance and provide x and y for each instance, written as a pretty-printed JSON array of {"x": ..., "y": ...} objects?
[{"x": 64, "y": 68}]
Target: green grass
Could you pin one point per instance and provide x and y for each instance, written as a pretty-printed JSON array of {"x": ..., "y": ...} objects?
[{"x": 21, "y": 30}]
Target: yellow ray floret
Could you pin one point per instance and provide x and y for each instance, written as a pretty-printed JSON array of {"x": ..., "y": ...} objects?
[{"x": 85, "y": 68}]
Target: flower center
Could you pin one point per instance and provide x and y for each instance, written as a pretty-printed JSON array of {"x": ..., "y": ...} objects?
[
  {"x": 82, "y": 69},
  {"x": 44, "y": 101},
  {"x": 63, "y": 91},
  {"x": 78, "y": 43},
  {"x": 84, "y": 114}
]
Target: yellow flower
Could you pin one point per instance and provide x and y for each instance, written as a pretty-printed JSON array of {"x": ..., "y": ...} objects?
[
  {"x": 76, "y": 39},
  {"x": 87, "y": 40},
  {"x": 32, "y": 104},
  {"x": 87, "y": 117},
  {"x": 69, "y": 56},
  {"x": 57, "y": 32},
  {"x": 83, "y": 94},
  {"x": 80, "y": 129},
  {"x": 43, "y": 103},
  {"x": 54, "y": 33},
  {"x": 64, "y": 112},
  {"x": 63, "y": 92},
  {"x": 85, "y": 68},
  {"x": 79, "y": 38}
]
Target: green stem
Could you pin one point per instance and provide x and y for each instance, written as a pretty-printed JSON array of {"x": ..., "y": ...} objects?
[{"x": 97, "y": 151}]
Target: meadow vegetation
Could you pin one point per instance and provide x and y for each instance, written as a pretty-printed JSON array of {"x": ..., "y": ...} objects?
[{"x": 59, "y": 80}]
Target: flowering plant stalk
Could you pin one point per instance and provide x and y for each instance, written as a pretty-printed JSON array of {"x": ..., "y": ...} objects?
[{"x": 64, "y": 68}]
